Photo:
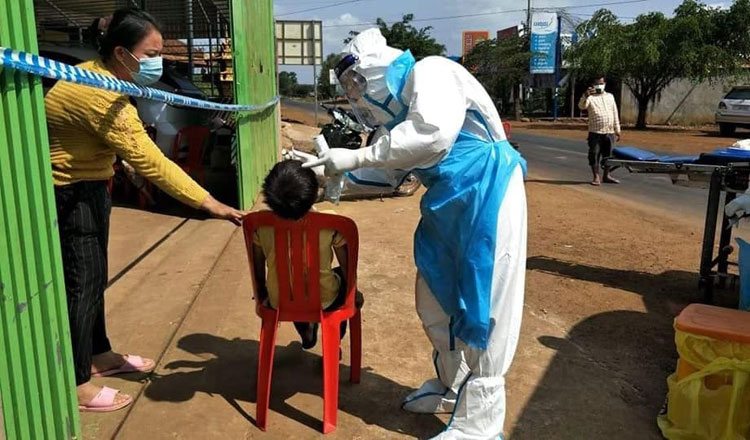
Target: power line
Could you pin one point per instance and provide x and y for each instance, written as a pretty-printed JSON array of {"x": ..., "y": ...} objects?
[
  {"x": 320, "y": 7},
  {"x": 479, "y": 14},
  {"x": 595, "y": 4}
]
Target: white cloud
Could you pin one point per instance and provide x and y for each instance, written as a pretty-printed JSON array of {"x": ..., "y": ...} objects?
[
  {"x": 337, "y": 29},
  {"x": 722, "y": 5}
]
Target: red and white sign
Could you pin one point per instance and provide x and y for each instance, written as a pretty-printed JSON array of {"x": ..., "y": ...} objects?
[{"x": 471, "y": 38}]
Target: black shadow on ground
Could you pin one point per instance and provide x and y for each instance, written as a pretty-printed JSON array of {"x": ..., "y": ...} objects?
[
  {"x": 231, "y": 371},
  {"x": 608, "y": 377}
]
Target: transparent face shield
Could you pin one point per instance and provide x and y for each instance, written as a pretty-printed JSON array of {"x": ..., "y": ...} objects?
[{"x": 355, "y": 88}]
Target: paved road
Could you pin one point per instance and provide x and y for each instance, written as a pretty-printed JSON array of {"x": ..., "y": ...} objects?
[
  {"x": 564, "y": 162},
  {"x": 302, "y": 105}
]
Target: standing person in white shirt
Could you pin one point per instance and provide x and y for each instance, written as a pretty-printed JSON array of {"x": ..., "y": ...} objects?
[{"x": 604, "y": 127}]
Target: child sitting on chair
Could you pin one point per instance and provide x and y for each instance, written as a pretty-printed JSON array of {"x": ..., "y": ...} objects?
[{"x": 290, "y": 191}]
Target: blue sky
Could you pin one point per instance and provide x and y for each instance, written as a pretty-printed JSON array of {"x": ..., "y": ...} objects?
[{"x": 338, "y": 20}]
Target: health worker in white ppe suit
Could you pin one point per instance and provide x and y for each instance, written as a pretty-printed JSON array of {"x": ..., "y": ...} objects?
[{"x": 470, "y": 245}]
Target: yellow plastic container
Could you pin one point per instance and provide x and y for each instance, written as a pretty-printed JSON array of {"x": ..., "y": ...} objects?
[{"x": 709, "y": 394}]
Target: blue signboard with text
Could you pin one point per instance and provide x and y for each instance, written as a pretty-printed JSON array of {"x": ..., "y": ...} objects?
[{"x": 543, "y": 42}]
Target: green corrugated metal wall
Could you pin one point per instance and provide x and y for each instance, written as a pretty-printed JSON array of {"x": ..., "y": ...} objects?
[
  {"x": 36, "y": 376},
  {"x": 254, "y": 49}
]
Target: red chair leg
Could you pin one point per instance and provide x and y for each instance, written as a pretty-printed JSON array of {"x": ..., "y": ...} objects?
[
  {"x": 265, "y": 368},
  {"x": 355, "y": 341},
  {"x": 331, "y": 345}
]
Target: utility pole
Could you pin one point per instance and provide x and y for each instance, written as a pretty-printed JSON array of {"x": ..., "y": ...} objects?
[
  {"x": 558, "y": 66},
  {"x": 528, "y": 16}
]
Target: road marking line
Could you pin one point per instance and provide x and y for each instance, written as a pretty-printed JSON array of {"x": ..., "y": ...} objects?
[{"x": 560, "y": 150}]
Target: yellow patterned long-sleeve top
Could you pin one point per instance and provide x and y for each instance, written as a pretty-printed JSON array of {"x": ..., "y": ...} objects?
[{"x": 88, "y": 127}]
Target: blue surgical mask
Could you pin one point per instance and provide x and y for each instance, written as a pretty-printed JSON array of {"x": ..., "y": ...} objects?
[{"x": 149, "y": 72}]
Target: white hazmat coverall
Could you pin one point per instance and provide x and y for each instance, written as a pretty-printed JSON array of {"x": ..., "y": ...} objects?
[{"x": 470, "y": 246}]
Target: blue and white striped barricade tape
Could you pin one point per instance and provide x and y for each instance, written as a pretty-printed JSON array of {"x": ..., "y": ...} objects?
[{"x": 36, "y": 65}]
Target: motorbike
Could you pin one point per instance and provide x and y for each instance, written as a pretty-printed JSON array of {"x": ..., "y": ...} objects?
[{"x": 345, "y": 132}]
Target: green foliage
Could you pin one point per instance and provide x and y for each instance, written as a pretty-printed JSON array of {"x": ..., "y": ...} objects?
[
  {"x": 402, "y": 35},
  {"x": 288, "y": 86},
  {"x": 287, "y": 83},
  {"x": 304, "y": 90},
  {"x": 700, "y": 43},
  {"x": 325, "y": 89},
  {"x": 500, "y": 65}
]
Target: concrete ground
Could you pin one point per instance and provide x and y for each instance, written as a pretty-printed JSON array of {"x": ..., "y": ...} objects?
[{"x": 605, "y": 279}]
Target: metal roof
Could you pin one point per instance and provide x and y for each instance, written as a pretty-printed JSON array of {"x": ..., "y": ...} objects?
[{"x": 210, "y": 18}]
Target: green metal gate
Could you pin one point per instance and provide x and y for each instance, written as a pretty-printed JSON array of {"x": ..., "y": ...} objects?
[
  {"x": 36, "y": 371},
  {"x": 37, "y": 386},
  {"x": 254, "y": 50}
]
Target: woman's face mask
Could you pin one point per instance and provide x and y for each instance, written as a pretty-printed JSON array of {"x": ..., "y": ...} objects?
[
  {"x": 600, "y": 87},
  {"x": 144, "y": 61},
  {"x": 149, "y": 70}
]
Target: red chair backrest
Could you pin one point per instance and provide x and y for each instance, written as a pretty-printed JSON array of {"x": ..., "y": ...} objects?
[
  {"x": 298, "y": 259},
  {"x": 196, "y": 138},
  {"x": 506, "y": 128}
]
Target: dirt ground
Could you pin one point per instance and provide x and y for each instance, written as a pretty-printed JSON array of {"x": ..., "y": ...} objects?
[
  {"x": 605, "y": 279},
  {"x": 596, "y": 342},
  {"x": 299, "y": 116}
]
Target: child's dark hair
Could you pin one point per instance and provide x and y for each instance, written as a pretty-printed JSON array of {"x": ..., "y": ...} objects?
[
  {"x": 290, "y": 190},
  {"x": 127, "y": 28}
]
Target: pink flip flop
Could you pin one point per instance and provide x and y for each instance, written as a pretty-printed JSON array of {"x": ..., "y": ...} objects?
[
  {"x": 133, "y": 364},
  {"x": 105, "y": 401}
]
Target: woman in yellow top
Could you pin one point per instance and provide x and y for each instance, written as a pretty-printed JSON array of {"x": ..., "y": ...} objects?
[{"x": 87, "y": 128}]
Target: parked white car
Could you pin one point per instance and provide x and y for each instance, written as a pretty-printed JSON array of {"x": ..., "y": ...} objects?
[{"x": 734, "y": 110}]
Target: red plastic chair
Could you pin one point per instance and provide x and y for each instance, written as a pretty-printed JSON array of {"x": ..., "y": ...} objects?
[
  {"x": 296, "y": 245},
  {"x": 196, "y": 138}
]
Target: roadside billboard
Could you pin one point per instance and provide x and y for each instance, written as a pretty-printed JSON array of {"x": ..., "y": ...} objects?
[
  {"x": 469, "y": 39},
  {"x": 543, "y": 42},
  {"x": 510, "y": 32},
  {"x": 299, "y": 42}
]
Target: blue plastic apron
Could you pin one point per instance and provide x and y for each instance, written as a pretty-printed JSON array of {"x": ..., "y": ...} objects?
[{"x": 454, "y": 246}]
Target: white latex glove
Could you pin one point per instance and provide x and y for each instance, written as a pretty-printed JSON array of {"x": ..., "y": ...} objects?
[
  {"x": 337, "y": 161},
  {"x": 738, "y": 207},
  {"x": 304, "y": 158}
]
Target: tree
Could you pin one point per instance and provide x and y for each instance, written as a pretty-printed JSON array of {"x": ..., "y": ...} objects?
[
  {"x": 304, "y": 90},
  {"x": 501, "y": 65},
  {"x": 325, "y": 88},
  {"x": 402, "y": 35},
  {"x": 287, "y": 83},
  {"x": 700, "y": 43}
]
